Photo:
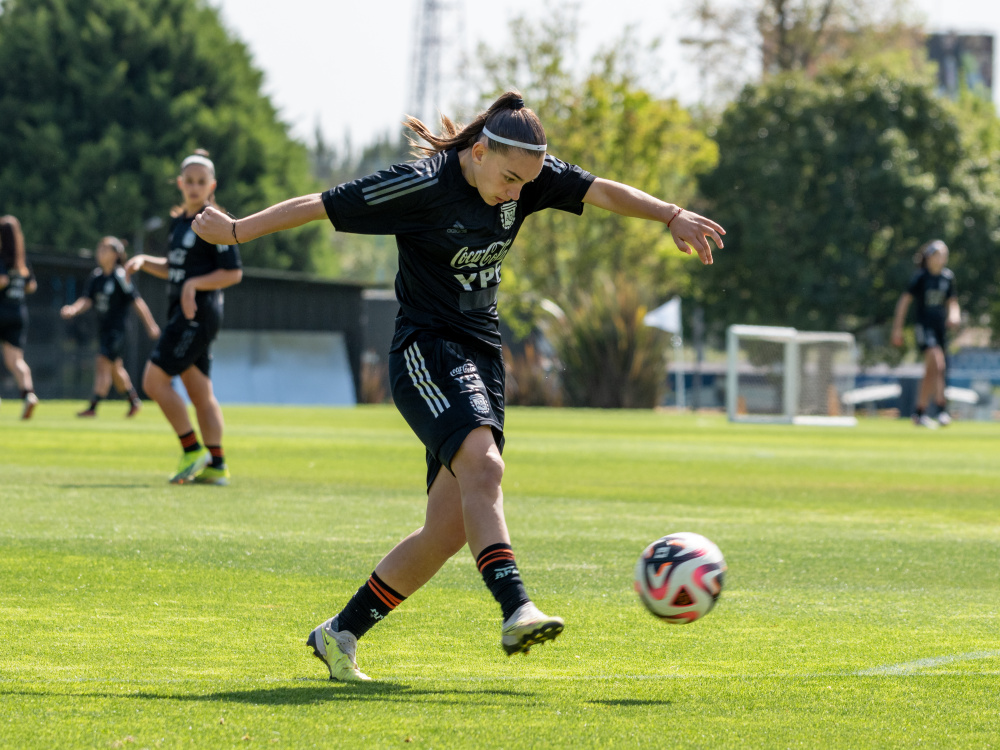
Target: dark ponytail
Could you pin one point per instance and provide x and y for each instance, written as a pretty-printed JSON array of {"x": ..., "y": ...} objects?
[{"x": 507, "y": 117}]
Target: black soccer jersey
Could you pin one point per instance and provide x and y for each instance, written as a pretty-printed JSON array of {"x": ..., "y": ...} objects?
[
  {"x": 12, "y": 296},
  {"x": 189, "y": 257},
  {"x": 931, "y": 294},
  {"x": 112, "y": 295},
  {"x": 451, "y": 242}
]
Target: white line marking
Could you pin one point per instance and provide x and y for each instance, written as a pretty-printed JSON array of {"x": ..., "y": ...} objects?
[{"x": 909, "y": 667}]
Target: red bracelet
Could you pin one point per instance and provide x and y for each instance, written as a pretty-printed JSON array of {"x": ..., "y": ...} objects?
[{"x": 676, "y": 214}]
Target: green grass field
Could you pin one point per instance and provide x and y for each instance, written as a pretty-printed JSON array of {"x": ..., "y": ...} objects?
[{"x": 861, "y": 609}]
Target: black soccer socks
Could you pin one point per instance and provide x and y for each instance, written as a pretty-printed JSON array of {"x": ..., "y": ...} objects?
[
  {"x": 370, "y": 603},
  {"x": 502, "y": 578}
]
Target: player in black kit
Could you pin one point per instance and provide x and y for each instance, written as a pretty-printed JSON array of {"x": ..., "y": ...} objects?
[
  {"x": 16, "y": 282},
  {"x": 111, "y": 294},
  {"x": 932, "y": 289},
  {"x": 196, "y": 272},
  {"x": 455, "y": 215}
]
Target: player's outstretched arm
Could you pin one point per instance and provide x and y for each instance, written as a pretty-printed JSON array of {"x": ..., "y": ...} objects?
[
  {"x": 897, "y": 321},
  {"x": 142, "y": 309},
  {"x": 216, "y": 227},
  {"x": 954, "y": 313},
  {"x": 154, "y": 266},
  {"x": 80, "y": 306},
  {"x": 689, "y": 230}
]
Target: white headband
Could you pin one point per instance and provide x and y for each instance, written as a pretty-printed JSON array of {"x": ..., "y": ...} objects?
[
  {"x": 515, "y": 144},
  {"x": 936, "y": 246},
  {"x": 198, "y": 159}
]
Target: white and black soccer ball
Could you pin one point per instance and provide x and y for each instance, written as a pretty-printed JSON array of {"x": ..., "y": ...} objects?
[{"x": 679, "y": 577}]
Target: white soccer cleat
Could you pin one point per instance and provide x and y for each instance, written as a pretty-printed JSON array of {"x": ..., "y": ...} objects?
[
  {"x": 924, "y": 421},
  {"x": 337, "y": 649},
  {"x": 528, "y": 626},
  {"x": 944, "y": 418}
]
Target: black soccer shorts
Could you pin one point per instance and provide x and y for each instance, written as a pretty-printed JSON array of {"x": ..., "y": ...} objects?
[
  {"x": 929, "y": 336},
  {"x": 186, "y": 342},
  {"x": 111, "y": 342},
  {"x": 14, "y": 328},
  {"x": 445, "y": 391}
]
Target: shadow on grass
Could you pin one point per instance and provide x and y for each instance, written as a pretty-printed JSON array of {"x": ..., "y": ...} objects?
[
  {"x": 324, "y": 692},
  {"x": 633, "y": 702}
]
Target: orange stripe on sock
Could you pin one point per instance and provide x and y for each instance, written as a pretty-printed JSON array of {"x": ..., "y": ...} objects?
[
  {"x": 189, "y": 440},
  {"x": 500, "y": 554},
  {"x": 387, "y": 599}
]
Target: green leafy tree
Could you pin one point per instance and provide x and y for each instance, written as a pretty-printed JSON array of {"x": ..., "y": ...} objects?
[
  {"x": 828, "y": 186},
  {"x": 100, "y": 102},
  {"x": 732, "y": 42}
]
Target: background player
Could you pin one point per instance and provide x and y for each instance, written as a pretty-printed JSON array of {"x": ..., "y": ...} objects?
[
  {"x": 933, "y": 289},
  {"x": 455, "y": 215},
  {"x": 196, "y": 272},
  {"x": 111, "y": 293},
  {"x": 16, "y": 282}
]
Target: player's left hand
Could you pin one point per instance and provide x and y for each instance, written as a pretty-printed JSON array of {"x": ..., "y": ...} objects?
[
  {"x": 690, "y": 230},
  {"x": 213, "y": 226},
  {"x": 188, "y": 306}
]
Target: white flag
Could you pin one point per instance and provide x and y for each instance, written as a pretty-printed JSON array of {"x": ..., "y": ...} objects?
[{"x": 666, "y": 317}]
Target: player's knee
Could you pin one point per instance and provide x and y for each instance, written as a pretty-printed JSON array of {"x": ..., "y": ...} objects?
[{"x": 488, "y": 470}]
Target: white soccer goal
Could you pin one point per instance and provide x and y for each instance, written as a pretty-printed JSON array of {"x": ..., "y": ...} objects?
[{"x": 782, "y": 375}]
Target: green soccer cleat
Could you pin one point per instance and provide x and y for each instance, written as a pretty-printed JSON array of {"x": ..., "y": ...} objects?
[
  {"x": 526, "y": 627},
  {"x": 190, "y": 466},
  {"x": 337, "y": 649},
  {"x": 210, "y": 475}
]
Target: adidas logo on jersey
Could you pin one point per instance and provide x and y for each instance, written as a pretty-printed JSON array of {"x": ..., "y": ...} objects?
[{"x": 458, "y": 229}]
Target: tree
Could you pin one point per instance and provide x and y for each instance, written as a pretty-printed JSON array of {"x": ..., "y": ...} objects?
[
  {"x": 828, "y": 186},
  {"x": 100, "y": 102},
  {"x": 733, "y": 41}
]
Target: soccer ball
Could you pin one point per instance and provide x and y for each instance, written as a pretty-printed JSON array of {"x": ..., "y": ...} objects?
[{"x": 679, "y": 577}]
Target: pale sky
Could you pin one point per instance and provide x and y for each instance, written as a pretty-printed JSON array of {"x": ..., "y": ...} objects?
[{"x": 347, "y": 64}]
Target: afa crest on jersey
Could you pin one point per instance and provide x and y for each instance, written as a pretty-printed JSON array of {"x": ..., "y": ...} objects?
[{"x": 507, "y": 212}]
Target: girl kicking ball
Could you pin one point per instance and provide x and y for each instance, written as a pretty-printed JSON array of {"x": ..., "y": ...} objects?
[
  {"x": 111, "y": 293},
  {"x": 455, "y": 215},
  {"x": 196, "y": 272}
]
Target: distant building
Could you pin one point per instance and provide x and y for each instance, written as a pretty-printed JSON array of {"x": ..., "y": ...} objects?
[{"x": 963, "y": 60}]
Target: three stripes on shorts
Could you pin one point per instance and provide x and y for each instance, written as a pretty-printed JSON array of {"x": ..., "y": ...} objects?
[{"x": 417, "y": 367}]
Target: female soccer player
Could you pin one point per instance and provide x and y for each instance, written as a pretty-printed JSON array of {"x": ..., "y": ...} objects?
[
  {"x": 111, "y": 293},
  {"x": 196, "y": 272},
  {"x": 455, "y": 215},
  {"x": 16, "y": 282},
  {"x": 933, "y": 288}
]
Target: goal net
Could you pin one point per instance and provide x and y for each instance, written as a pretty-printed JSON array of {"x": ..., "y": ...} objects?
[{"x": 783, "y": 375}]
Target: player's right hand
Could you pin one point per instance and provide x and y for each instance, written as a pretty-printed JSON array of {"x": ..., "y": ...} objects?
[
  {"x": 213, "y": 226},
  {"x": 133, "y": 264},
  {"x": 65, "y": 312}
]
